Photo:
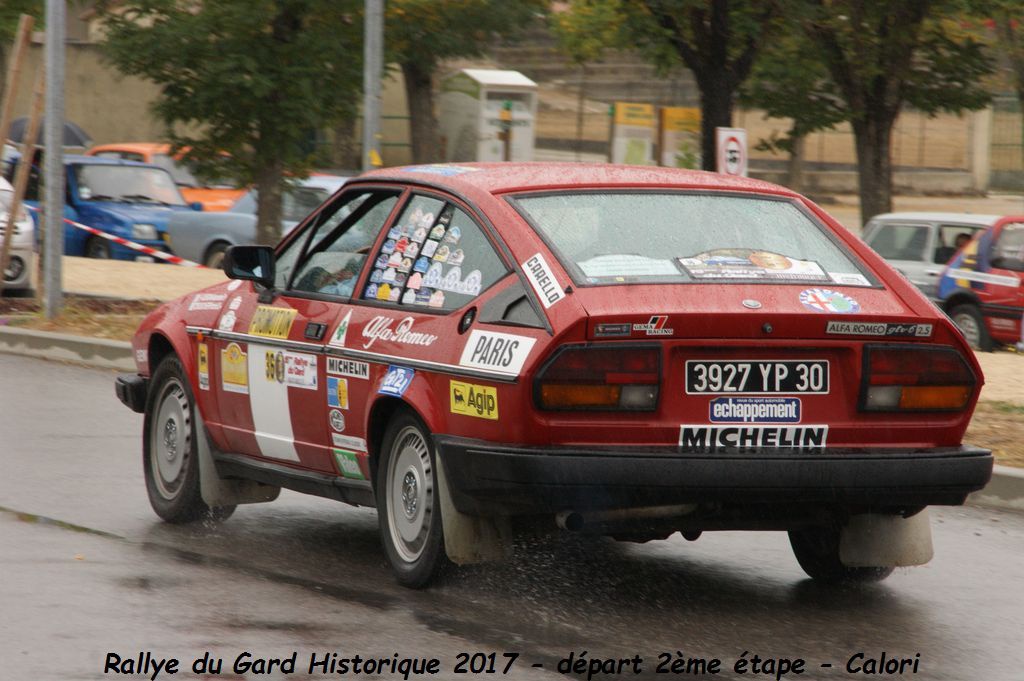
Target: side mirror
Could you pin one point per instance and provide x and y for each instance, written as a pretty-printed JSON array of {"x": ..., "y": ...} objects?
[
  {"x": 251, "y": 263},
  {"x": 196, "y": 206}
]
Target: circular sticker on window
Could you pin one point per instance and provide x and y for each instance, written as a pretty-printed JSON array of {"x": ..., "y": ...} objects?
[{"x": 825, "y": 300}]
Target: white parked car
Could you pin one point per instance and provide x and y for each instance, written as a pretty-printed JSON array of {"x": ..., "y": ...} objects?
[
  {"x": 920, "y": 244},
  {"x": 18, "y": 274}
]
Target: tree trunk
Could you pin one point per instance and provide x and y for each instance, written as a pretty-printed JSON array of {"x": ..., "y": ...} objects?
[
  {"x": 345, "y": 151},
  {"x": 716, "y": 102},
  {"x": 873, "y": 138},
  {"x": 795, "y": 165},
  {"x": 423, "y": 129},
  {"x": 268, "y": 205}
]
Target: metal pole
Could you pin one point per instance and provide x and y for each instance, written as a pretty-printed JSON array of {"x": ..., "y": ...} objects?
[
  {"x": 373, "y": 65},
  {"x": 53, "y": 159}
]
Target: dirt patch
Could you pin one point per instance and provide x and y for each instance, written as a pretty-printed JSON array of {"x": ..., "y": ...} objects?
[
  {"x": 999, "y": 426},
  {"x": 81, "y": 316}
]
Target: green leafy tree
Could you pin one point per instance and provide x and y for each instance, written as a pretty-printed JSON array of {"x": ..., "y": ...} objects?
[
  {"x": 883, "y": 56},
  {"x": 718, "y": 40},
  {"x": 789, "y": 81},
  {"x": 243, "y": 83},
  {"x": 419, "y": 34},
  {"x": 10, "y": 14}
]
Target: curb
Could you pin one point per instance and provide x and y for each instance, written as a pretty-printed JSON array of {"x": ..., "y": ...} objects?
[
  {"x": 95, "y": 352},
  {"x": 1005, "y": 491}
]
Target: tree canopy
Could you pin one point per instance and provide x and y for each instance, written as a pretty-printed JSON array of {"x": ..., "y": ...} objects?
[
  {"x": 718, "y": 40},
  {"x": 243, "y": 83},
  {"x": 419, "y": 34},
  {"x": 882, "y": 57}
]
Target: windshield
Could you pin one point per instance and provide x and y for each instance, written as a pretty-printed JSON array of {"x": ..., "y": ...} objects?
[
  {"x": 637, "y": 237},
  {"x": 132, "y": 184}
]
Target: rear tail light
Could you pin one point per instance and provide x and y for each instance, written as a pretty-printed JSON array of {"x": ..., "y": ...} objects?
[
  {"x": 898, "y": 378},
  {"x": 623, "y": 378}
]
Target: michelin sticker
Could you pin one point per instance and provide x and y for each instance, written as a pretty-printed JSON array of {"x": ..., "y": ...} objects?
[
  {"x": 348, "y": 367},
  {"x": 503, "y": 353},
  {"x": 703, "y": 436},
  {"x": 897, "y": 330},
  {"x": 543, "y": 280}
]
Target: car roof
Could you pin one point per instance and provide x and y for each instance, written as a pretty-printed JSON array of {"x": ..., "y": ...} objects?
[
  {"x": 508, "y": 177},
  {"x": 138, "y": 147},
  {"x": 100, "y": 161},
  {"x": 924, "y": 216}
]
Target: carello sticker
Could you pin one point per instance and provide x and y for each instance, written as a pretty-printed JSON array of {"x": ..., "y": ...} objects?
[
  {"x": 337, "y": 392},
  {"x": 470, "y": 399},
  {"x": 897, "y": 330},
  {"x": 396, "y": 381},
  {"x": 501, "y": 352},
  {"x": 754, "y": 410},
  {"x": 272, "y": 322},
  {"x": 826, "y": 300},
  {"x": 348, "y": 464},
  {"x": 703, "y": 436},
  {"x": 543, "y": 280}
]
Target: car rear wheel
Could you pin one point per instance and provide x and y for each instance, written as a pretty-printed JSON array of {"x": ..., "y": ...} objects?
[
  {"x": 968, "y": 318},
  {"x": 170, "y": 452},
  {"x": 408, "y": 502},
  {"x": 97, "y": 247},
  {"x": 817, "y": 551},
  {"x": 214, "y": 257}
]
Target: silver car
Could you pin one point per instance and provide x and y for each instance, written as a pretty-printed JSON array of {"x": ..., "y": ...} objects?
[
  {"x": 18, "y": 274},
  {"x": 203, "y": 237},
  {"x": 920, "y": 244}
]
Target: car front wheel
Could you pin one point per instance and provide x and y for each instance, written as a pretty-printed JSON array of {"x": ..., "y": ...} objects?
[
  {"x": 170, "y": 450},
  {"x": 408, "y": 503},
  {"x": 97, "y": 247},
  {"x": 817, "y": 551}
]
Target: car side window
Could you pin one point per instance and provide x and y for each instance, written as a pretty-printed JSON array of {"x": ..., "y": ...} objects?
[
  {"x": 338, "y": 244},
  {"x": 1008, "y": 250},
  {"x": 900, "y": 241},
  {"x": 436, "y": 256},
  {"x": 952, "y": 238}
]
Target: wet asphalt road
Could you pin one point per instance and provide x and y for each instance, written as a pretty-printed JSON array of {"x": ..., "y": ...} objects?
[{"x": 86, "y": 569}]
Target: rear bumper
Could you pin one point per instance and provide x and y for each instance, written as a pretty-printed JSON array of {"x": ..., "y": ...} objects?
[
  {"x": 496, "y": 479},
  {"x": 131, "y": 390}
]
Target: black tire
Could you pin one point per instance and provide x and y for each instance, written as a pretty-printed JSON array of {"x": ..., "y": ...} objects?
[
  {"x": 408, "y": 504},
  {"x": 214, "y": 257},
  {"x": 968, "y": 318},
  {"x": 97, "y": 247},
  {"x": 170, "y": 454},
  {"x": 817, "y": 551}
]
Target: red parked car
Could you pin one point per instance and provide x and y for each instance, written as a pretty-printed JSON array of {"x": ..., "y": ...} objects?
[{"x": 626, "y": 351}]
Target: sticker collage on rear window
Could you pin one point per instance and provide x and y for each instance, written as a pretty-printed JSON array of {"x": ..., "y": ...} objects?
[{"x": 421, "y": 262}]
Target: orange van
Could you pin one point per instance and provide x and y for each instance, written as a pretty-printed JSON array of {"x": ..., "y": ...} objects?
[{"x": 214, "y": 198}]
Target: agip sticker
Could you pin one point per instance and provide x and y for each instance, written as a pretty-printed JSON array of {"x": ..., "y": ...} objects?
[{"x": 469, "y": 399}]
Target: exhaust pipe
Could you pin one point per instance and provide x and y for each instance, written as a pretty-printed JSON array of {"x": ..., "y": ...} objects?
[{"x": 574, "y": 521}]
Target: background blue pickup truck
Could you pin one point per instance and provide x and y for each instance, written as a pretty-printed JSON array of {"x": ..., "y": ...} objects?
[{"x": 124, "y": 198}]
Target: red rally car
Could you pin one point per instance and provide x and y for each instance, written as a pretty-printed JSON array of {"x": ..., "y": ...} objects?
[{"x": 626, "y": 351}]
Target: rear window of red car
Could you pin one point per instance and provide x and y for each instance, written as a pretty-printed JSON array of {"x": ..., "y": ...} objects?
[{"x": 653, "y": 237}]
